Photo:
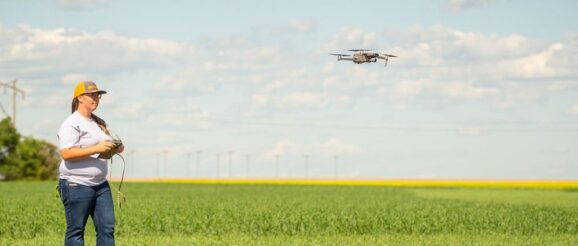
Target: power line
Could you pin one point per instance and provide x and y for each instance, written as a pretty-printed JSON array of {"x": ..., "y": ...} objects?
[{"x": 4, "y": 110}]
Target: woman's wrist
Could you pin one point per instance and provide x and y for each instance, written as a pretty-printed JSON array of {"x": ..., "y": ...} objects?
[{"x": 92, "y": 150}]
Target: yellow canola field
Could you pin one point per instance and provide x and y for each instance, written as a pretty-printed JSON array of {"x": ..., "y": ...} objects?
[{"x": 541, "y": 184}]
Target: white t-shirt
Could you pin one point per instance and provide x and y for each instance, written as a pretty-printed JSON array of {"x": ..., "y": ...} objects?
[{"x": 78, "y": 131}]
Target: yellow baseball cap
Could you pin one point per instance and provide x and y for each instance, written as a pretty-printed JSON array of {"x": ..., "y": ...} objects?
[{"x": 86, "y": 87}]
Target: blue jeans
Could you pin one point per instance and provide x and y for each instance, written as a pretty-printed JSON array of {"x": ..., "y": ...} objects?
[{"x": 80, "y": 201}]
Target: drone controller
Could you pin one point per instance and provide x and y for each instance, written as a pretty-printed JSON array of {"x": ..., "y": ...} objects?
[{"x": 117, "y": 143}]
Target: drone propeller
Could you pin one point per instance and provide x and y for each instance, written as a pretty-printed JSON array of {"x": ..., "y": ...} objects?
[
  {"x": 388, "y": 55},
  {"x": 338, "y": 54},
  {"x": 361, "y": 50}
]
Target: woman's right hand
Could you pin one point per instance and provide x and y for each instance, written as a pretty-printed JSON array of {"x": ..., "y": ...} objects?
[
  {"x": 104, "y": 146},
  {"x": 76, "y": 153}
]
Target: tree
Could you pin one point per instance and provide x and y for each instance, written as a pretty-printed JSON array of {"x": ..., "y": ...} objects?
[
  {"x": 33, "y": 159},
  {"x": 9, "y": 138},
  {"x": 27, "y": 159}
]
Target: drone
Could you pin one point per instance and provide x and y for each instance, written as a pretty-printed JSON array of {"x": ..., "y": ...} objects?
[{"x": 362, "y": 56}]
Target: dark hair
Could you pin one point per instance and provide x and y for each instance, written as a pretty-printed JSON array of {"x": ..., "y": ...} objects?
[
  {"x": 74, "y": 104},
  {"x": 99, "y": 121}
]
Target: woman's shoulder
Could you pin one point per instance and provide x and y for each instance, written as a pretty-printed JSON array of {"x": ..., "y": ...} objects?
[{"x": 72, "y": 120}]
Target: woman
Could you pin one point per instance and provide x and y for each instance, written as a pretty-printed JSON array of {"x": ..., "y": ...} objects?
[{"x": 84, "y": 144}]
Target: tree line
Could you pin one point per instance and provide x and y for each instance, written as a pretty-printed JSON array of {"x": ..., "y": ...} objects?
[{"x": 26, "y": 158}]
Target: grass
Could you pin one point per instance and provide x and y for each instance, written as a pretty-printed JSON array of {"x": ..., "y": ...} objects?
[
  {"x": 393, "y": 239},
  {"x": 180, "y": 213},
  {"x": 427, "y": 183},
  {"x": 543, "y": 197}
]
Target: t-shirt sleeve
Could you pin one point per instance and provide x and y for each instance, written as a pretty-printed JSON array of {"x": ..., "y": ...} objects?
[{"x": 68, "y": 136}]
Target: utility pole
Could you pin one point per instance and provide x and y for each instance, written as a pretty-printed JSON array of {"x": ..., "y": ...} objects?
[{"x": 15, "y": 91}]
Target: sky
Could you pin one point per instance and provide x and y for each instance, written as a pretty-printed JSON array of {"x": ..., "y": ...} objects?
[{"x": 481, "y": 89}]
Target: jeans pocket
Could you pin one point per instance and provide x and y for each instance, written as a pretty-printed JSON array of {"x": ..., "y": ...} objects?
[{"x": 63, "y": 190}]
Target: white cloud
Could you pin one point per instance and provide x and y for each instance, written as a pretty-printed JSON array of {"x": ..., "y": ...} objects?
[
  {"x": 440, "y": 45},
  {"x": 186, "y": 81},
  {"x": 561, "y": 56},
  {"x": 559, "y": 85},
  {"x": 72, "y": 79},
  {"x": 179, "y": 120},
  {"x": 312, "y": 100},
  {"x": 301, "y": 25},
  {"x": 335, "y": 146},
  {"x": 275, "y": 85},
  {"x": 349, "y": 38},
  {"x": 467, "y": 90},
  {"x": 53, "y": 52},
  {"x": 295, "y": 26},
  {"x": 438, "y": 62},
  {"x": 330, "y": 147},
  {"x": 513, "y": 94},
  {"x": 284, "y": 147},
  {"x": 260, "y": 100},
  {"x": 532, "y": 66},
  {"x": 136, "y": 110},
  {"x": 506, "y": 69},
  {"x": 573, "y": 110}
]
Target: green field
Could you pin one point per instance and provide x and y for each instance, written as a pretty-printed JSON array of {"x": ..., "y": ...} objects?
[{"x": 193, "y": 214}]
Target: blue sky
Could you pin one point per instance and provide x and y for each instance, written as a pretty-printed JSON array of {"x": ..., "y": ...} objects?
[
  {"x": 185, "y": 20},
  {"x": 481, "y": 89}
]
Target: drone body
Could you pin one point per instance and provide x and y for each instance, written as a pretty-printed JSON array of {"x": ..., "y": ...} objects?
[{"x": 362, "y": 56}]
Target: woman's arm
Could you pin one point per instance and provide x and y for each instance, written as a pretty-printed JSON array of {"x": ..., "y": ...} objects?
[
  {"x": 76, "y": 153},
  {"x": 113, "y": 151}
]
